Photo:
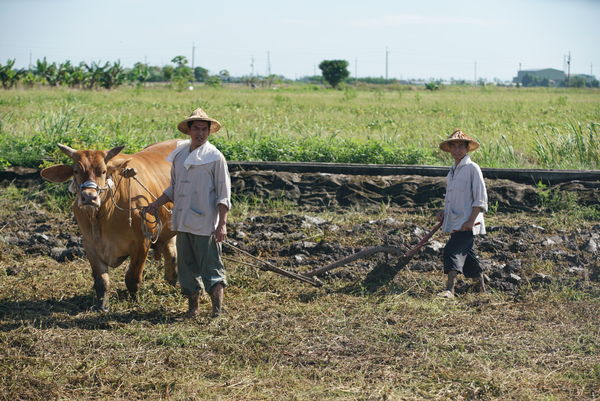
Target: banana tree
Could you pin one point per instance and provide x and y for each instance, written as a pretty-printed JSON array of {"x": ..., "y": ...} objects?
[
  {"x": 113, "y": 76},
  {"x": 9, "y": 76}
]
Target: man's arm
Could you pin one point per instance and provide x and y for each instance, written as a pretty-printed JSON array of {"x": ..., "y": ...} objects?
[
  {"x": 221, "y": 231},
  {"x": 468, "y": 225}
]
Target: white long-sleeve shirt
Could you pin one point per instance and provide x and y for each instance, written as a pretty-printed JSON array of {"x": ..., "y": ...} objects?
[
  {"x": 199, "y": 183},
  {"x": 465, "y": 189}
]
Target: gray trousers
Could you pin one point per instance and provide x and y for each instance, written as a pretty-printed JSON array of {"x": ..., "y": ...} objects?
[{"x": 199, "y": 263}]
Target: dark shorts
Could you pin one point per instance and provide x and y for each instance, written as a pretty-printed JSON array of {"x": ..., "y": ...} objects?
[
  {"x": 199, "y": 263},
  {"x": 459, "y": 255}
]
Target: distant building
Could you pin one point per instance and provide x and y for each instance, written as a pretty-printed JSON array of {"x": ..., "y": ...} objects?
[
  {"x": 553, "y": 77},
  {"x": 589, "y": 79},
  {"x": 550, "y": 76}
]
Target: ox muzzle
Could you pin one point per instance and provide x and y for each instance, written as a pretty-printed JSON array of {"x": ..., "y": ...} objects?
[{"x": 89, "y": 192}]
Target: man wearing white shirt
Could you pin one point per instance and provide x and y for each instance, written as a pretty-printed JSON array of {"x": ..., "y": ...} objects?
[
  {"x": 201, "y": 193},
  {"x": 462, "y": 217}
]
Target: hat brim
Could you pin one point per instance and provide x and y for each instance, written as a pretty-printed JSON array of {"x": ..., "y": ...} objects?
[
  {"x": 473, "y": 145},
  {"x": 214, "y": 124}
]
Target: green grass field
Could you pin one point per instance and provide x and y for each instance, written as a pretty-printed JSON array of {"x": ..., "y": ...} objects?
[{"x": 518, "y": 127}]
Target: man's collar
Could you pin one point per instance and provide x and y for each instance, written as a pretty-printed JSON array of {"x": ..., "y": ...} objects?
[{"x": 463, "y": 161}]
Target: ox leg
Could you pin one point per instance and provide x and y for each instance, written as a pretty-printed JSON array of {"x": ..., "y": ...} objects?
[
  {"x": 135, "y": 272},
  {"x": 102, "y": 287},
  {"x": 169, "y": 254},
  {"x": 101, "y": 279}
]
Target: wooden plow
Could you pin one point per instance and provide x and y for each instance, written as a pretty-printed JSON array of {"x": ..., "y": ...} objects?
[
  {"x": 311, "y": 276},
  {"x": 270, "y": 267},
  {"x": 366, "y": 252}
]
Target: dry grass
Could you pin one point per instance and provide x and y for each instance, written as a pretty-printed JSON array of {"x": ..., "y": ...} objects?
[{"x": 283, "y": 340}]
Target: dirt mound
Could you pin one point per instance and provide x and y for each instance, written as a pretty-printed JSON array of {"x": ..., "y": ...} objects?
[{"x": 320, "y": 189}]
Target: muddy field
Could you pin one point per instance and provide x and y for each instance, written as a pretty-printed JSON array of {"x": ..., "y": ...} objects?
[
  {"x": 510, "y": 252},
  {"x": 375, "y": 331}
]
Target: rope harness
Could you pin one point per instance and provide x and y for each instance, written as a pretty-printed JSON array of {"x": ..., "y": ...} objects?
[{"x": 151, "y": 227}]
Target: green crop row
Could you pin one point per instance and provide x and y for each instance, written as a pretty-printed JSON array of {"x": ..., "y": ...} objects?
[{"x": 517, "y": 127}]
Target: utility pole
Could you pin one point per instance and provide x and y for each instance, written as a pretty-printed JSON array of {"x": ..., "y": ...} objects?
[
  {"x": 193, "y": 53},
  {"x": 475, "y": 73},
  {"x": 252, "y": 66},
  {"x": 30, "y": 59},
  {"x": 386, "y": 63},
  {"x": 268, "y": 63},
  {"x": 569, "y": 68},
  {"x": 591, "y": 69}
]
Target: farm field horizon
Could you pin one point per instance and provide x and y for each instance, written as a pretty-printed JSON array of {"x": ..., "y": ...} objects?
[{"x": 517, "y": 127}]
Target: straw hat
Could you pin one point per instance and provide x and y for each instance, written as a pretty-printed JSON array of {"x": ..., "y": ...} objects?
[
  {"x": 456, "y": 136},
  {"x": 198, "y": 115}
]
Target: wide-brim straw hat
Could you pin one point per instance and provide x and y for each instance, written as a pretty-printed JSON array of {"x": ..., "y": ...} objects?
[
  {"x": 457, "y": 136},
  {"x": 198, "y": 115}
]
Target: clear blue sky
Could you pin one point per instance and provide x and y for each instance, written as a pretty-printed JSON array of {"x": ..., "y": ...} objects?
[{"x": 425, "y": 38}]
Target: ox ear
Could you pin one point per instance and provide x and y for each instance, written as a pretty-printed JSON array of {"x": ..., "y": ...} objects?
[
  {"x": 58, "y": 173},
  {"x": 112, "y": 153},
  {"x": 66, "y": 150}
]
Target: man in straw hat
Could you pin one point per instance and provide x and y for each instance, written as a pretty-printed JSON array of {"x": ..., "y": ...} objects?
[
  {"x": 200, "y": 190},
  {"x": 462, "y": 217}
]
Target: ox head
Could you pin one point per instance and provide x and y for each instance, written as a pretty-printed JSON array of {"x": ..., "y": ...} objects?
[{"x": 90, "y": 171}]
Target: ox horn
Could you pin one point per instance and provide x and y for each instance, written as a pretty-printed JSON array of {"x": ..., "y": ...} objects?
[
  {"x": 112, "y": 153},
  {"x": 66, "y": 150}
]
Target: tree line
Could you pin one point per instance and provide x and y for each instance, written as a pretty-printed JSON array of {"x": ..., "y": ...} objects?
[{"x": 109, "y": 75}]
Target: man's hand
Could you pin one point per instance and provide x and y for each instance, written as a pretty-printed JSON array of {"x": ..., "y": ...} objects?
[
  {"x": 221, "y": 232},
  {"x": 467, "y": 226},
  {"x": 152, "y": 208},
  {"x": 440, "y": 216}
]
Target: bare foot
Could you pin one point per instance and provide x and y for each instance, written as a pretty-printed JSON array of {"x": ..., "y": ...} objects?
[
  {"x": 446, "y": 294},
  {"x": 192, "y": 307}
]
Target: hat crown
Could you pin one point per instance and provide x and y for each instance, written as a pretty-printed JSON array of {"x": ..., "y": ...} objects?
[
  {"x": 458, "y": 134},
  {"x": 199, "y": 113}
]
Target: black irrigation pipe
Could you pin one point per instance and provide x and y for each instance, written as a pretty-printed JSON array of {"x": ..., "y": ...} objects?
[{"x": 525, "y": 176}]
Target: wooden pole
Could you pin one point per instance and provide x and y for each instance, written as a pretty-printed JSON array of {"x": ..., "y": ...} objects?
[
  {"x": 373, "y": 250},
  {"x": 270, "y": 267}
]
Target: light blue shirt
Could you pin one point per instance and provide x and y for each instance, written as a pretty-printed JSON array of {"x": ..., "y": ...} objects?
[
  {"x": 465, "y": 189},
  {"x": 197, "y": 188}
]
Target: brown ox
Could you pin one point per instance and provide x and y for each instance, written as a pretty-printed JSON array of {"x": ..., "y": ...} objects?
[{"x": 102, "y": 210}]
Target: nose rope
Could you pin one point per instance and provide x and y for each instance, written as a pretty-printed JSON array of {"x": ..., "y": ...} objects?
[
  {"x": 92, "y": 185},
  {"x": 147, "y": 225},
  {"x": 148, "y": 232}
]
